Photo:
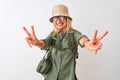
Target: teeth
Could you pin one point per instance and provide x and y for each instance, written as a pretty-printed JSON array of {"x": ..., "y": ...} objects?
[{"x": 59, "y": 24}]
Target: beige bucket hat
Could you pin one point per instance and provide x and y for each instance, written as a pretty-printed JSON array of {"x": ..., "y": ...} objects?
[{"x": 60, "y": 10}]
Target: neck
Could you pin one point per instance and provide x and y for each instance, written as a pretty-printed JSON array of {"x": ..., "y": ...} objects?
[{"x": 63, "y": 31}]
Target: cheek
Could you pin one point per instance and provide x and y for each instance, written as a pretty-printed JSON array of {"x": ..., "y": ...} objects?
[{"x": 54, "y": 24}]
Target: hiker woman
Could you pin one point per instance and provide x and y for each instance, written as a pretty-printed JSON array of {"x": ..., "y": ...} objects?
[{"x": 64, "y": 40}]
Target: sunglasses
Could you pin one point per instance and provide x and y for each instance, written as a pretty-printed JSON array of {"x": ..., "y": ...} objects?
[{"x": 54, "y": 19}]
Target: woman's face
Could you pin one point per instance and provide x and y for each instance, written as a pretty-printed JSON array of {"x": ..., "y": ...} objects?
[{"x": 60, "y": 22}]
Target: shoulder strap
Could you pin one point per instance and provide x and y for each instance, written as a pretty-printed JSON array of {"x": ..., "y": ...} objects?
[
  {"x": 48, "y": 52},
  {"x": 73, "y": 44}
]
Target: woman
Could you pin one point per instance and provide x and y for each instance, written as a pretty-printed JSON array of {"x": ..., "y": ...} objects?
[{"x": 63, "y": 54}]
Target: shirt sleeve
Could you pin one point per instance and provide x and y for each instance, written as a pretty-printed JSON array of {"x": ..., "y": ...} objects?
[
  {"x": 77, "y": 36},
  {"x": 47, "y": 41}
]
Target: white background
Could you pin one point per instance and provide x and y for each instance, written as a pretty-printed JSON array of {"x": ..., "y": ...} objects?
[{"x": 18, "y": 61}]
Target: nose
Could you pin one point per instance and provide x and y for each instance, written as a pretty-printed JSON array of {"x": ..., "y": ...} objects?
[{"x": 58, "y": 20}]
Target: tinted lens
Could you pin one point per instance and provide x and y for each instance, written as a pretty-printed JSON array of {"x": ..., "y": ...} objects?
[
  {"x": 62, "y": 17},
  {"x": 58, "y": 17},
  {"x": 55, "y": 19}
]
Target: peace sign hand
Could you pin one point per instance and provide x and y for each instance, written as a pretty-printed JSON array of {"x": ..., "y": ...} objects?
[
  {"x": 31, "y": 39},
  {"x": 95, "y": 43}
]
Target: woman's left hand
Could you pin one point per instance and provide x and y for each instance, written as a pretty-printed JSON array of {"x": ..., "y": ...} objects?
[{"x": 95, "y": 43}]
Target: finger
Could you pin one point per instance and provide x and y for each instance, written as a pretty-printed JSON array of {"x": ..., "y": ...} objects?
[
  {"x": 103, "y": 35},
  {"x": 29, "y": 45},
  {"x": 29, "y": 42},
  {"x": 98, "y": 47},
  {"x": 26, "y": 31},
  {"x": 33, "y": 32},
  {"x": 94, "y": 35},
  {"x": 95, "y": 52}
]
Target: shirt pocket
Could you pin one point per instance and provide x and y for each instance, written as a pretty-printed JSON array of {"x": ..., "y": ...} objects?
[{"x": 65, "y": 43}]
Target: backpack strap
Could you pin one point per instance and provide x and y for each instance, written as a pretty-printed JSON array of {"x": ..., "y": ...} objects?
[{"x": 73, "y": 43}]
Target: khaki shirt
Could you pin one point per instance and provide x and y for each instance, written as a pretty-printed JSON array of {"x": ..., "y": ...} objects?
[{"x": 63, "y": 60}]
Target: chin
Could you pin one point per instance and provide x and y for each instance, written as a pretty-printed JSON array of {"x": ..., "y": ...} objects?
[{"x": 59, "y": 27}]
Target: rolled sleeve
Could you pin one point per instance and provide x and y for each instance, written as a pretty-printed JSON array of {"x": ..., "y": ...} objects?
[
  {"x": 47, "y": 41},
  {"x": 77, "y": 36}
]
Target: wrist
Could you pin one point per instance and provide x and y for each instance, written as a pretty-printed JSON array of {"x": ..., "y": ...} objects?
[{"x": 85, "y": 42}]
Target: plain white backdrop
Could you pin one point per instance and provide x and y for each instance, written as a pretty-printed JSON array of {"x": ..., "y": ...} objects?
[{"x": 18, "y": 61}]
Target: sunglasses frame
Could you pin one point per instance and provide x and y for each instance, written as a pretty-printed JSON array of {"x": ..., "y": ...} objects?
[{"x": 54, "y": 19}]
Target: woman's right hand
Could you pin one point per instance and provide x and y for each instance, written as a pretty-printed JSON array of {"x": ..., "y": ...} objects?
[{"x": 31, "y": 39}]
